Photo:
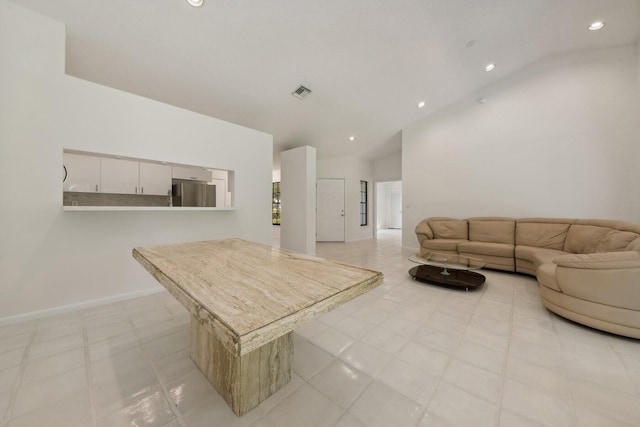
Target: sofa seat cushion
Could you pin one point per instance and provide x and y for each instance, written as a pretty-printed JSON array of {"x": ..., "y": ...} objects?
[
  {"x": 482, "y": 248},
  {"x": 611, "y": 279},
  {"x": 537, "y": 256},
  {"x": 446, "y": 245},
  {"x": 546, "y": 275},
  {"x": 494, "y": 262},
  {"x": 525, "y": 266},
  {"x": 545, "y": 256}
]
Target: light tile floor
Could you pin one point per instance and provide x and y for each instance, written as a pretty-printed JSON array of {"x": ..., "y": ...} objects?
[{"x": 405, "y": 354}]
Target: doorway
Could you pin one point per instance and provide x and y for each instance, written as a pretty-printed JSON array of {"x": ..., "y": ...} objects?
[
  {"x": 330, "y": 213},
  {"x": 394, "y": 204},
  {"x": 389, "y": 205}
]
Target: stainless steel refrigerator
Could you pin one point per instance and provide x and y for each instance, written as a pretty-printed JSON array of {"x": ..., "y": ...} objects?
[{"x": 198, "y": 194}]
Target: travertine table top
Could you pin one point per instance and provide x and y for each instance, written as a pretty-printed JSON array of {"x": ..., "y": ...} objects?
[{"x": 255, "y": 291}]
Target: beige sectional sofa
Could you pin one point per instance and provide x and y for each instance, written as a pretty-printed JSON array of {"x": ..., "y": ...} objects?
[{"x": 588, "y": 270}]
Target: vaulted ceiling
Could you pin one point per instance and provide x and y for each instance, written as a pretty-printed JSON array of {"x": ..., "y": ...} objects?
[{"x": 367, "y": 62}]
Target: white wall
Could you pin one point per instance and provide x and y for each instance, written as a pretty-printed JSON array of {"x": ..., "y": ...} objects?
[
  {"x": 50, "y": 259},
  {"x": 553, "y": 140},
  {"x": 638, "y": 67},
  {"x": 637, "y": 152},
  {"x": 352, "y": 170},
  {"x": 388, "y": 168},
  {"x": 298, "y": 200}
]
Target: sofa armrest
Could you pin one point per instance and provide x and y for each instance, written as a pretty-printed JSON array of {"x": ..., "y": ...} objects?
[
  {"x": 600, "y": 261},
  {"x": 423, "y": 231}
]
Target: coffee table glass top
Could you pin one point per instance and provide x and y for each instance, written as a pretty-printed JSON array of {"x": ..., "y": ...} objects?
[
  {"x": 450, "y": 270},
  {"x": 453, "y": 261}
]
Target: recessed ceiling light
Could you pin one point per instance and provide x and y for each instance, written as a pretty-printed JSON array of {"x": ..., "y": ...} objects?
[
  {"x": 352, "y": 138},
  {"x": 421, "y": 104},
  {"x": 490, "y": 67},
  {"x": 595, "y": 26},
  {"x": 195, "y": 3}
]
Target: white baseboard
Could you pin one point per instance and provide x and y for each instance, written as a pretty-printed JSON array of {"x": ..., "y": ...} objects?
[
  {"x": 359, "y": 239},
  {"x": 75, "y": 307}
]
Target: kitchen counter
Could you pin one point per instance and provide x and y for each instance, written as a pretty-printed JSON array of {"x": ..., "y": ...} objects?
[{"x": 143, "y": 208}]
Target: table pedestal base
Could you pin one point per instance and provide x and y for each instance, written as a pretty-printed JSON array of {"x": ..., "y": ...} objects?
[{"x": 243, "y": 381}]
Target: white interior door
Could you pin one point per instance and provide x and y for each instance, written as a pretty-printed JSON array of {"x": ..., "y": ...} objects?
[
  {"x": 395, "y": 209},
  {"x": 330, "y": 210}
]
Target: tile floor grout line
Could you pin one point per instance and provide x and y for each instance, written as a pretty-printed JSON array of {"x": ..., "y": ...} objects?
[
  {"x": 89, "y": 372},
  {"x": 452, "y": 354},
  {"x": 18, "y": 381},
  {"x": 506, "y": 360},
  {"x": 165, "y": 391},
  {"x": 636, "y": 387},
  {"x": 337, "y": 358},
  {"x": 569, "y": 396},
  {"x": 422, "y": 407},
  {"x": 527, "y": 385}
]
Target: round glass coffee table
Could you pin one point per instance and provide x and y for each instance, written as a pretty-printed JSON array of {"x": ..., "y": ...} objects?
[{"x": 448, "y": 270}]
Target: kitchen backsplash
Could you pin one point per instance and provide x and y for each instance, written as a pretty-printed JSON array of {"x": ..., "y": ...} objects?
[{"x": 104, "y": 199}]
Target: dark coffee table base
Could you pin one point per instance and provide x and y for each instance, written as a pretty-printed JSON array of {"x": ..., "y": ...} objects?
[{"x": 456, "y": 278}]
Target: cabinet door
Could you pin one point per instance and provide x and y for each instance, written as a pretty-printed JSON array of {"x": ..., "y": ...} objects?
[
  {"x": 118, "y": 176},
  {"x": 82, "y": 173},
  {"x": 191, "y": 173},
  {"x": 155, "y": 179}
]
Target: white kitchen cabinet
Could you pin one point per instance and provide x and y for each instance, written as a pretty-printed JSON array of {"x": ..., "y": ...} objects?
[
  {"x": 119, "y": 176},
  {"x": 155, "y": 179},
  {"x": 191, "y": 173},
  {"x": 81, "y": 173},
  {"x": 111, "y": 182}
]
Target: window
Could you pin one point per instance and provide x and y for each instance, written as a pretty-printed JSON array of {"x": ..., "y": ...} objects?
[
  {"x": 275, "y": 203},
  {"x": 363, "y": 203}
]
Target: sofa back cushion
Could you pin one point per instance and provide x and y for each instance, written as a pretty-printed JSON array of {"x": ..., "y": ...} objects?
[
  {"x": 583, "y": 239},
  {"x": 616, "y": 241},
  {"x": 492, "y": 230},
  {"x": 541, "y": 234},
  {"x": 449, "y": 228},
  {"x": 612, "y": 224},
  {"x": 633, "y": 246},
  {"x": 587, "y": 239}
]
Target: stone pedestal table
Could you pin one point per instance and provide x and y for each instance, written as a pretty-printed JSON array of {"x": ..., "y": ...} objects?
[{"x": 245, "y": 300}]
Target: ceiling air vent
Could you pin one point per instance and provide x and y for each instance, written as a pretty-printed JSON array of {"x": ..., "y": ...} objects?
[{"x": 301, "y": 92}]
